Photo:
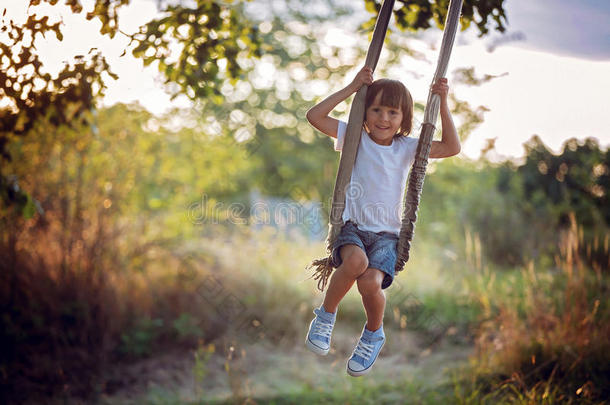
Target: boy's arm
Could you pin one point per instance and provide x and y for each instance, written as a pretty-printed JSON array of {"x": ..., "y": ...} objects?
[
  {"x": 449, "y": 145},
  {"x": 318, "y": 114}
]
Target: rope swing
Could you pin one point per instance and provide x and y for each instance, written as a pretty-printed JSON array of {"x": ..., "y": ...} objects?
[{"x": 323, "y": 267}]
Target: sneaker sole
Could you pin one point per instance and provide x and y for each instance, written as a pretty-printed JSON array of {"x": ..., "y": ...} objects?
[
  {"x": 315, "y": 349},
  {"x": 354, "y": 373}
]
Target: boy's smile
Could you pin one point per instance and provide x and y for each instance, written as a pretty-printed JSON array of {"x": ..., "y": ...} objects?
[{"x": 382, "y": 122}]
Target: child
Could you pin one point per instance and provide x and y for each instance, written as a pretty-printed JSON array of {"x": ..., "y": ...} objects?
[{"x": 365, "y": 250}]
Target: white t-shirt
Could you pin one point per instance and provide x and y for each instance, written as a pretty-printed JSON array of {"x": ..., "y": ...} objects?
[{"x": 374, "y": 198}]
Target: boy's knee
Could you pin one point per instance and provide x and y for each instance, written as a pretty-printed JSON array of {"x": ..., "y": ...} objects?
[
  {"x": 355, "y": 263},
  {"x": 369, "y": 283}
]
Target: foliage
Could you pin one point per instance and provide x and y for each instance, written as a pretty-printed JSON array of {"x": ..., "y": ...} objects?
[
  {"x": 576, "y": 183},
  {"x": 33, "y": 94},
  {"x": 463, "y": 209},
  {"x": 514, "y": 213},
  {"x": 216, "y": 40},
  {"x": 106, "y": 11},
  {"x": 106, "y": 191},
  {"x": 416, "y": 15},
  {"x": 138, "y": 341},
  {"x": 212, "y": 38},
  {"x": 577, "y": 180}
]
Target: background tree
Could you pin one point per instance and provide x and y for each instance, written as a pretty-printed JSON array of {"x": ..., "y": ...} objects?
[
  {"x": 216, "y": 38},
  {"x": 569, "y": 188},
  {"x": 30, "y": 93}
]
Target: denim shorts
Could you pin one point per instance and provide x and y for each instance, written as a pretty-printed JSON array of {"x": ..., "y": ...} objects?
[{"x": 380, "y": 249}]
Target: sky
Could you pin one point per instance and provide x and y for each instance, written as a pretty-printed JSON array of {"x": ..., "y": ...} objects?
[{"x": 554, "y": 63}]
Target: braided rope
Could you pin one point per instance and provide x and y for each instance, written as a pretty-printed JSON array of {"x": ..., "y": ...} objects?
[
  {"x": 323, "y": 267},
  {"x": 418, "y": 170}
]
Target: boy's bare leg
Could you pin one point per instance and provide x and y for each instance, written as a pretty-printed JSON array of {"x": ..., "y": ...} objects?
[
  {"x": 354, "y": 263},
  {"x": 373, "y": 297}
]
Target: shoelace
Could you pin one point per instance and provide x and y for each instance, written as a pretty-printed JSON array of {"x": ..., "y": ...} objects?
[
  {"x": 323, "y": 329},
  {"x": 364, "y": 350}
]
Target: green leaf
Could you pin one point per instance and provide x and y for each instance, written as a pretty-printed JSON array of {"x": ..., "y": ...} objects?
[{"x": 29, "y": 208}]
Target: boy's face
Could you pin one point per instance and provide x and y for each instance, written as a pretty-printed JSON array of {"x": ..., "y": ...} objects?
[{"x": 383, "y": 122}]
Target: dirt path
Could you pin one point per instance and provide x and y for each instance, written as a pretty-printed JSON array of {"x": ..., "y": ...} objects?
[{"x": 260, "y": 370}]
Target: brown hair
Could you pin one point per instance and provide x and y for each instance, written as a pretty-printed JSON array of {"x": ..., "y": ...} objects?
[{"x": 394, "y": 94}]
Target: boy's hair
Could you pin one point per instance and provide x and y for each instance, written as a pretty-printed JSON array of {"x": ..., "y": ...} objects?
[{"x": 394, "y": 94}]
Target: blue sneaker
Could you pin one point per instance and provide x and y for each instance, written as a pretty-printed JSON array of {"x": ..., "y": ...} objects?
[
  {"x": 366, "y": 352},
  {"x": 320, "y": 329}
]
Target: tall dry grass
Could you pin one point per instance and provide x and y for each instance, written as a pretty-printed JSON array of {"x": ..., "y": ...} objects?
[
  {"x": 548, "y": 340},
  {"x": 74, "y": 306},
  {"x": 72, "y": 315}
]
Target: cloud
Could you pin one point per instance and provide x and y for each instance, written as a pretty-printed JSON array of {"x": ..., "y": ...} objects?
[{"x": 563, "y": 27}]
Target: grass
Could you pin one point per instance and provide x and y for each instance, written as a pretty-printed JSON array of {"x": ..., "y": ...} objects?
[
  {"x": 540, "y": 334},
  {"x": 545, "y": 339},
  {"x": 408, "y": 392}
]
